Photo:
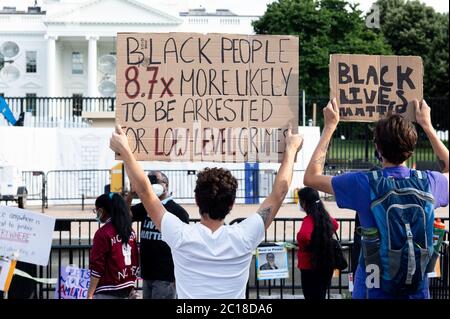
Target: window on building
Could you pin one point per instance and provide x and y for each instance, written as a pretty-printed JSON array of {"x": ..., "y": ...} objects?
[
  {"x": 77, "y": 63},
  {"x": 77, "y": 102},
  {"x": 31, "y": 61},
  {"x": 30, "y": 103}
]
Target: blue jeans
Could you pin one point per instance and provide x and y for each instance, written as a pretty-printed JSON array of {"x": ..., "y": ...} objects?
[{"x": 158, "y": 289}]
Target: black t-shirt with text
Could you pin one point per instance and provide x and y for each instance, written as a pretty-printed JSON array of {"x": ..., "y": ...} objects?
[{"x": 156, "y": 257}]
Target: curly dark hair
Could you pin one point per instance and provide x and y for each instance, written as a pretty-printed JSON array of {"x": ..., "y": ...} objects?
[
  {"x": 395, "y": 138},
  {"x": 215, "y": 192}
]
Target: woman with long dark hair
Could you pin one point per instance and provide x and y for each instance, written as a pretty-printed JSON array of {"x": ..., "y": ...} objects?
[
  {"x": 114, "y": 261},
  {"x": 315, "y": 245}
]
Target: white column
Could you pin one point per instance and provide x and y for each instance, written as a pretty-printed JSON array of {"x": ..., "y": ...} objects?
[
  {"x": 92, "y": 66},
  {"x": 51, "y": 65}
]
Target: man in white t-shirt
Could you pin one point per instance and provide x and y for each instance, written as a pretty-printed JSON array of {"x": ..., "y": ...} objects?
[{"x": 211, "y": 259}]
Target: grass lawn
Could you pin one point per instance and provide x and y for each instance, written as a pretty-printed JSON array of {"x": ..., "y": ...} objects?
[{"x": 353, "y": 150}]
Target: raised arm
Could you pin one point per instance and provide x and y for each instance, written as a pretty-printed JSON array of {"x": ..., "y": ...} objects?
[
  {"x": 140, "y": 182},
  {"x": 270, "y": 206},
  {"x": 314, "y": 177},
  {"x": 423, "y": 118}
]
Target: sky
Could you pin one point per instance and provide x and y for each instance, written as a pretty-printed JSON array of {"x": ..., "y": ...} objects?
[{"x": 242, "y": 7}]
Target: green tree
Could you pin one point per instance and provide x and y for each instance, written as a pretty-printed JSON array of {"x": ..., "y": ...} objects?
[
  {"x": 324, "y": 27},
  {"x": 412, "y": 28}
]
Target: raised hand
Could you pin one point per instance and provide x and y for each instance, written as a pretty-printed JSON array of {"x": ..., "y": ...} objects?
[
  {"x": 293, "y": 141},
  {"x": 331, "y": 114},
  {"x": 119, "y": 142},
  {"x": 423, "y": 114}
]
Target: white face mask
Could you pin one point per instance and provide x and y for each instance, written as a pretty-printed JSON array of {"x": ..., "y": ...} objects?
[
  {"x": 99, "y": 217},
  {"x": 158, "y": 189}
]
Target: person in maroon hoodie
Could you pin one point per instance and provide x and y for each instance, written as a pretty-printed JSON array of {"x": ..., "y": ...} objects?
[
  {"x": 315, "y": 245},
  {"x": 114, "y": 258}
]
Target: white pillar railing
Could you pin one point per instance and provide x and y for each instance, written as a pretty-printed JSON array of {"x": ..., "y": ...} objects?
[
  {"x": 92, "y": 66},
  {"x": 51, "y": 65}
]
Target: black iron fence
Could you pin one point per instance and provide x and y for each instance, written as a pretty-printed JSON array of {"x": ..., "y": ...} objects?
[
  {"x": 73, "y": 241},
  {"x": 352, "y": 146},
  {"x": 315, "y": 104}
]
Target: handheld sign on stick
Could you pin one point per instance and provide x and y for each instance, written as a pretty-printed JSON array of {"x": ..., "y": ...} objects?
[{"x": 369, "y": 87}]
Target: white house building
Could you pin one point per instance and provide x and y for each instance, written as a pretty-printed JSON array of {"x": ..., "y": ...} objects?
[{"x": 66, "y": 48}]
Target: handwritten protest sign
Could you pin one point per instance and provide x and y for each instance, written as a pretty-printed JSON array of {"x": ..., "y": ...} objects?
[
  {"x": 26, "y": 233},
  {"x": 368, "y": 87},
  {"x": 73, "y": 283},
  {"x": 271, "y": 262},
  {"x": 213, "y": 97}
]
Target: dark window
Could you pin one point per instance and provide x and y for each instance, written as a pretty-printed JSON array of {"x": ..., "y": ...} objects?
[
  {"x": 31, "y": 61},
  {"x": 30, "y": 102},
  {"x": 77, "y": 101}
]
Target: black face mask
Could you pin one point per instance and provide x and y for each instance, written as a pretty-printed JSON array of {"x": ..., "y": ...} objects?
[{"x": 377, "y": 156}]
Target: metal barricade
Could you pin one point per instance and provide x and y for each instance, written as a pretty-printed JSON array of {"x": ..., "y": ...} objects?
[
  {"x": 35, "y": 183},
  {"x": 70, "y": 185}
]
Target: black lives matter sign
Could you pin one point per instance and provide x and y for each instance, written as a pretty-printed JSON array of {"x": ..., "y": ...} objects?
[
  {"x": 207, "y": 97},
  {"x": 369, "y": 87}
]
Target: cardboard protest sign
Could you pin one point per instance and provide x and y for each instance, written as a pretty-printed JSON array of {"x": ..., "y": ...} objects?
[
  {"x": 26, "y": 234},
  {"x": 207, "y": 97},
  {"x": 368, "y": 87},
  {"x": 271, "y": 262},
  {"x": 73, "y": 283}
]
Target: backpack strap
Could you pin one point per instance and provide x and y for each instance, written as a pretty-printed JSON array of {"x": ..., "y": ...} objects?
[
  {"x": 422, "y": 180},
  {"x": 411, "y": 256},
  {"x": 374, "y": 178},
  {"x": 418, "y": 174},
  {"x": 375, "y": 175}
]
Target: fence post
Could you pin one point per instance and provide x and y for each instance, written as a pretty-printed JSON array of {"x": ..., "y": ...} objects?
[
  {"x": 314, "y": 113},
  {"x": 366, "y": 131},
  {"x": 21, "y": 104},
  {"x": 45, "y": 189},
  {"x": 303, "y": 108}
]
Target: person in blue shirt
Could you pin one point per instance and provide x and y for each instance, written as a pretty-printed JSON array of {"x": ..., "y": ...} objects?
[{"x": 395, "y": 140}]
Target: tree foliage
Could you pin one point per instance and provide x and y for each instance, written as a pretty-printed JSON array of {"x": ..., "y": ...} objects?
[
  {"x": 336, "y": 26},
  {"x": 412, "y": 28},
  {"x": 324, "y": 27}
]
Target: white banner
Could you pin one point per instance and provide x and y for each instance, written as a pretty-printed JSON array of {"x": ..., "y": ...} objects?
[{"x": 25, "y": 235}]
